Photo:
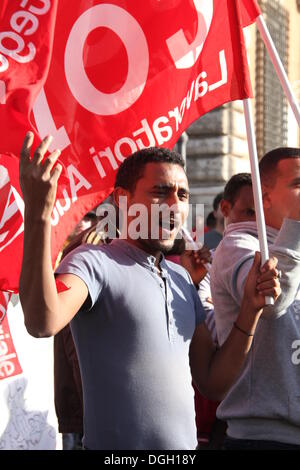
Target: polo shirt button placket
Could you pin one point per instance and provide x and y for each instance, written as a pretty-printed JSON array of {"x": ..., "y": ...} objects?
[
  {"x": 171, "y": 329},
  {"x": 170, "y": 321}
]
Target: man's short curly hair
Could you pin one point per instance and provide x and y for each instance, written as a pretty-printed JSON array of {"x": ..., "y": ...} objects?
[
  {"x": 234, "y": 186},
  {"x": 268, "y": 165},
  {"x": 132, "y": 168}
]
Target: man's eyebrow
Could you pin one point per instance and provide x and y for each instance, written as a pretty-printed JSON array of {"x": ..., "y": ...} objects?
[
  {"x": 295, "y": 180},
  {"x": 167, "y": 187}
]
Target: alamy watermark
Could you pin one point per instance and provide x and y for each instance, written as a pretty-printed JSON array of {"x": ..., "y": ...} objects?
[{"x": 157, "y": 222}]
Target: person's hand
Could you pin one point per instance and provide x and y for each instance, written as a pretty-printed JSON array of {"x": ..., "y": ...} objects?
[
  {"x": 38, "y": 178},
  {"x": 262, "y": 281},
  {"x": 195, "y": 263},
  {"x": 92, "y": 237}
]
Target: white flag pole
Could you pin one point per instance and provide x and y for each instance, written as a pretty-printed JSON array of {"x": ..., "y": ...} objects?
[
  {"x": 274, "y": 56},
  {"x": 256, "y": 187}
]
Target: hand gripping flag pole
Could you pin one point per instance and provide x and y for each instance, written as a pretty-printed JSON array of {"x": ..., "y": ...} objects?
[
  {"x": 248, "y": 10},
  {"x": 256, "y": 188},
  {"x": 283, "y": 78}
]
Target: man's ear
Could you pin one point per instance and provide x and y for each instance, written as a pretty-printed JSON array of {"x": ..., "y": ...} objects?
[
  {"x": 225, "y": 207},
  {"x": 118, "y": 194},
  {"x": 267, "y": 202}
]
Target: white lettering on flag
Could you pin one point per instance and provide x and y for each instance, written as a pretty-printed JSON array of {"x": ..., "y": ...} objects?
[
  {"x": 185, "y": 55},
  {"x": 126, "y": 27}
]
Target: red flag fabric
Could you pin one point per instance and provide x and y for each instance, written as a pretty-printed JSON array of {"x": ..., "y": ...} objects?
[
  {"x": 11, "y": 223},
  {"x": 9, "y": 362},
  {"x": 26, "y": 38},
  {"x": 249, "y": 11},
  {"x": 123, "y": 76}
]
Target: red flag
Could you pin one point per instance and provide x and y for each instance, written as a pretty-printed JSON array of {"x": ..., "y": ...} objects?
[
  {"x": 123, "y": 76},
  {"x": 27, "y": 30},
  {"x": 11, "y": 223},
  {"x": 249, "y": 11},
  {"x": 25, "y": 53},
  {"x": 9, "y": 362}
]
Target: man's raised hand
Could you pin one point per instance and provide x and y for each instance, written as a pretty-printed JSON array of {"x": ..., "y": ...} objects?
[{"x": 38, "y": 178}]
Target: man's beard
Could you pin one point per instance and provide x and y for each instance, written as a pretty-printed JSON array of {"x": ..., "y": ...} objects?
[{"x": 158, "y": 245}]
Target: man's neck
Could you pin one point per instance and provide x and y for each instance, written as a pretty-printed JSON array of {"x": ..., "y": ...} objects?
[
  {"x": 147, "y": 249},
  {"x": 273, "y": 222}
]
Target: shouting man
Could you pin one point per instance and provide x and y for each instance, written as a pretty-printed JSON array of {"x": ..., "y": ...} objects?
[{"x": 137, "y": 321}]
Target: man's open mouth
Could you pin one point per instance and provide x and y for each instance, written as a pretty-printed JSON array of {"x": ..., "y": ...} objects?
[{"x": 169, "y": 223}]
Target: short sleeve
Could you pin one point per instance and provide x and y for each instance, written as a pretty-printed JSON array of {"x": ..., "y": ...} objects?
[
  {"x": 199, "y": 309},
  {"x": 86, "y": 262}
]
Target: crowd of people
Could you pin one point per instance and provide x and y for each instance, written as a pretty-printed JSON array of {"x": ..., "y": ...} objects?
[{"x": 160, "y": 347}]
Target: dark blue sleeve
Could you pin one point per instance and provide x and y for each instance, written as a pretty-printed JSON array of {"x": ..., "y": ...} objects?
[{"x": 199, "y": 309}]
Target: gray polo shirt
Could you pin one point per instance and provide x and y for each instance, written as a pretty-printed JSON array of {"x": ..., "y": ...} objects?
[{"x": 132, "y": 338}]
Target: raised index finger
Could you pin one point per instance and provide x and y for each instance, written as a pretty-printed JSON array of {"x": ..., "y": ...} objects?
[
  {"x": 41, "y": 150},
  {"x": 26, "y": 147}
]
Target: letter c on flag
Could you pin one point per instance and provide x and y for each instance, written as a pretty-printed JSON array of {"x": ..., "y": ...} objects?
[
  {"x": 130, "y": 32},
  {"x": 185, "y": 55}
]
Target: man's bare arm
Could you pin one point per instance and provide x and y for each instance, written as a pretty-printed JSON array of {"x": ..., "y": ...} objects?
[
  {"x": 215, "y": 370},
  {"x": 45, "y": 311}
]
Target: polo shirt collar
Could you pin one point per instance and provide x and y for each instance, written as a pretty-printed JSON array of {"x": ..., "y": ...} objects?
[{"x": 139, "y": 255}]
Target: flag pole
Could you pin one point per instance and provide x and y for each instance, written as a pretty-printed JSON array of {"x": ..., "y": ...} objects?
[
  {"x": 256, "y": 187},
  {"x": 274, "y": 56}
]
